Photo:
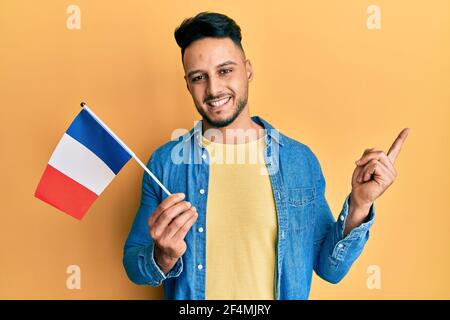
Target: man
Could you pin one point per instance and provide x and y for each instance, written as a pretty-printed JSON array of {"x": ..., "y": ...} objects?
[{"x": 243, "y": 230}]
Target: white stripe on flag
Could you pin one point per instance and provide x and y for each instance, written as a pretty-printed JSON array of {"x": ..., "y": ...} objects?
[{"x": 81, "y": 164}]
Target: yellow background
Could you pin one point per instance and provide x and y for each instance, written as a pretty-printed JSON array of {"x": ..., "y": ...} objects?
[{"x": 321, "y": 77}]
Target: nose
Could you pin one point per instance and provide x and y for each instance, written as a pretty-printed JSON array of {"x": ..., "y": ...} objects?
[{"x": 214, "y": 87}]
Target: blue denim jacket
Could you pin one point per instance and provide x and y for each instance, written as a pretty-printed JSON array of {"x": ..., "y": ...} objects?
[{"x": 308, "y": 236}]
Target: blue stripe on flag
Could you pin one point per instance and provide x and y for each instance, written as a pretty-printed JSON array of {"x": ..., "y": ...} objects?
[{"x": 86, "y": 130}]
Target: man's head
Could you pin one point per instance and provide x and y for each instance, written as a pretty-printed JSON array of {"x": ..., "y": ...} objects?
[{"x": 216, "y": 70}]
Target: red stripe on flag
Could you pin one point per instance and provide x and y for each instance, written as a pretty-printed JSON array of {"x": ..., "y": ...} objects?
[{"x": 64, "y": 193}]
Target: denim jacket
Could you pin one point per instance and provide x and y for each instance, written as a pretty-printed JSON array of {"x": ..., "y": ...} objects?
[{"x": 308, "y": 236}]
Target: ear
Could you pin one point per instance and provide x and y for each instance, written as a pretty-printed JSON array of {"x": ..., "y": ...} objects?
[{"x": 249, "y": 68}]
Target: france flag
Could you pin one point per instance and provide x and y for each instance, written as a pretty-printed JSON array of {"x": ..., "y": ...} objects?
[{"x": 85, "y": 161}]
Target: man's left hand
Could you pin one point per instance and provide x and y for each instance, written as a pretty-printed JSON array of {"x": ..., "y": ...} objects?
[{"x": 375, "y": 172}]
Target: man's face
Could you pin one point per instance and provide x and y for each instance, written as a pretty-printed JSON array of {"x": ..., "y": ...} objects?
[{"x": 217, "y": 76}]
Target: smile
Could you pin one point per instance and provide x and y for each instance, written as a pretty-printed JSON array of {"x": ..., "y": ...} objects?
[{"x": 219, "y": 103}]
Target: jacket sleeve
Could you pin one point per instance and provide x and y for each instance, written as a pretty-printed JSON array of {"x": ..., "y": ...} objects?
[
  {"x": 334, "y": 254},
  {"x": 139, "y": 254}
]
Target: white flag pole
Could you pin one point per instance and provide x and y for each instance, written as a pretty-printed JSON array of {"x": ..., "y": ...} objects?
[{"x": 85, "y": 107}]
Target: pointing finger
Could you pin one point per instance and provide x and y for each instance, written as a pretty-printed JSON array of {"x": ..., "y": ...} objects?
[{"x": 397, "y": 145}]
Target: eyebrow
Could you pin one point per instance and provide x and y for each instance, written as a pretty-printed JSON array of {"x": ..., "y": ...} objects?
[{"x": 218, "y": 66}]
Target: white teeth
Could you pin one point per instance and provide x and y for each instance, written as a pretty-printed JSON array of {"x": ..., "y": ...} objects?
[{"x": 220, "y": 102}]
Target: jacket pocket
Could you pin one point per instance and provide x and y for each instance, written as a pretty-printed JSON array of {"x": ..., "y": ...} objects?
[
  {"x": 301, "y": 208},
  {"x": 299, "y": 197}
]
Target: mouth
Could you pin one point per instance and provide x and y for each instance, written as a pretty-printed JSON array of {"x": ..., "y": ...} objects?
[{"x": 219, "y": 104}]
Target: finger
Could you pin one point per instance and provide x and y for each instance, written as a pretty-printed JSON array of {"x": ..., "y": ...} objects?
[
  {"x": 164, "y": 205},
  {"x": 382, "y": 175},
  {"x": 378, "y": 155},
  {"x": 171, "y": 213},
  {"x": 179, "y": 222},
  {"x": 374, "y": 168},
  {"x": 363, "y": 176},
  {"x": 168, "y": 215},
  {"x": 367, "y": 166},
  {"x": 394, "y": 150},
  {"x": 378, "y": 171},
  {"x": 368, "y": 155},
  {"x": 356, "y": 173},
  {"x": 368, "y": 151},
  {"x": 181, "y": 233}
]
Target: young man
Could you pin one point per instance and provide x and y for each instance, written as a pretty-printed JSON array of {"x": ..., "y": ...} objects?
[{"x": 243, "y": 229}]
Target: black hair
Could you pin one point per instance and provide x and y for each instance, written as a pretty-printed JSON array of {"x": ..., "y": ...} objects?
[{"x": 207, "y": 24}]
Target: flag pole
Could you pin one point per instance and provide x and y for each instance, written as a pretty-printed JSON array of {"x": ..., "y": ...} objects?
[{"x": 85, "y": 107}]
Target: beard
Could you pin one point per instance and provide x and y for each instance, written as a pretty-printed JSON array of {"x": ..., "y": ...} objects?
[{"x": 241, "y": 103}]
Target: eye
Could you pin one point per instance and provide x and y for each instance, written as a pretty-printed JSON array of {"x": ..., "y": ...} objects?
[
  {"x": 195, "y": 79},
  {"x": 226, "y": 71}
]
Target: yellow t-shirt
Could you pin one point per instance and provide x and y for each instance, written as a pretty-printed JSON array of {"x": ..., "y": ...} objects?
[{"x": 241, "y": 223}]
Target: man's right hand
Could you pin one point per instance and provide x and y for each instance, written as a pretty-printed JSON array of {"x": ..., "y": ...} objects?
[{"x": 169, "y": 224}]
